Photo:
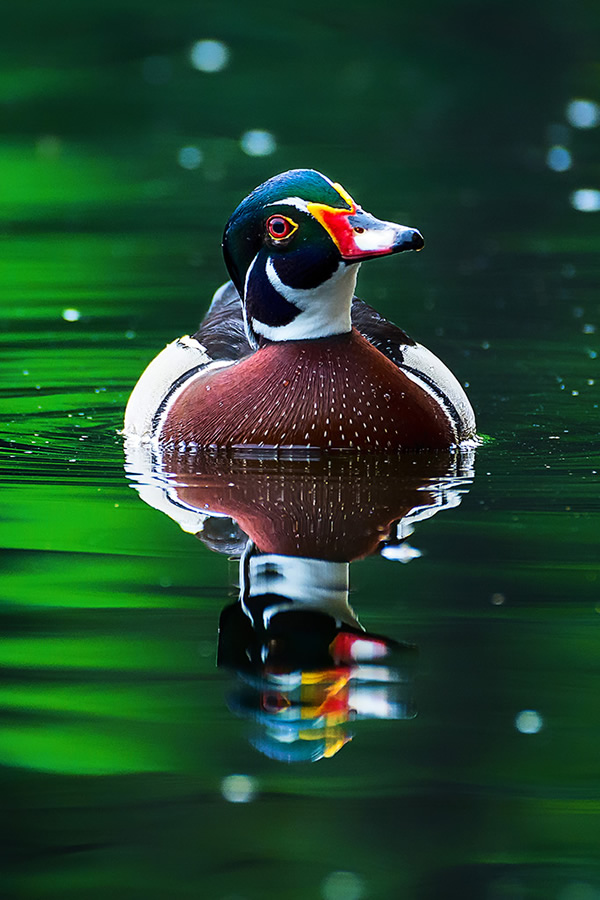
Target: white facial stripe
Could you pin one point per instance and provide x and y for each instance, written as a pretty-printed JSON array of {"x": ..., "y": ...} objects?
[
  {"x": 296, "y": 202},
  {"x": 247, "y": 327},
  {"x": 250, "y": 267},
  {"x": 324, "y": 310}
]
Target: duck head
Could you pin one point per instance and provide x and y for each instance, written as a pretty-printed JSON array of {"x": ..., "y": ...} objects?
[{"x": 293, "y": 248}]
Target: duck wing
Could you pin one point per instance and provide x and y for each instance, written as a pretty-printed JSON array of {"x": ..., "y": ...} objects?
[{"x": 222, "y": 332}]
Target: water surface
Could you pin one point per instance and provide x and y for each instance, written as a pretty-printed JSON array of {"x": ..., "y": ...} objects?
[{"x": 118, "y": 743}]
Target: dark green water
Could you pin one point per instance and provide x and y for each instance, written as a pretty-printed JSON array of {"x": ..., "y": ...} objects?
[{"x": 116, "y": 740}]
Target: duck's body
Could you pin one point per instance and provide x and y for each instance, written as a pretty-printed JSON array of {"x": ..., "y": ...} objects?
[
  {"x": 289, "y": 358},
  {"x": 359, "y": 394}
]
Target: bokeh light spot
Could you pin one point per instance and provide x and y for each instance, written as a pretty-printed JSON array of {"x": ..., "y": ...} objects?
[
  {"x": 528, "y": 721},
  {"x": 209, "y": 56},
  {"x": 239, "y": 788},
  {"x": 586, "y": 200},
  {"x": 258, "y": 143},
  {"x": 583, "y": 113},
  {"x": 190, "y": 157},
  {"x": 559, "y": 159},
  {"x": 71, "y": 315}
]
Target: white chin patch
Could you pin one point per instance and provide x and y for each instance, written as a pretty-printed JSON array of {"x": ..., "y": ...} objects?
[{"x": 324, "y": 310}]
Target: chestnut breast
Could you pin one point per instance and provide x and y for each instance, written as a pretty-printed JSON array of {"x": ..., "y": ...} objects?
[{"x": 333, "y": 393}]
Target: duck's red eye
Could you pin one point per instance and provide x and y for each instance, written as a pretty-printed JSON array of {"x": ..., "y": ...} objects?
[{"x": 280, "y": 227}]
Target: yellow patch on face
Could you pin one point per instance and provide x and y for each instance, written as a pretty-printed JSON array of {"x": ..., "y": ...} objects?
[{"x": 332, "y": 218}]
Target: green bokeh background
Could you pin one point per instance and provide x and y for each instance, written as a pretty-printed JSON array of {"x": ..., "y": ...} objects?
[{"x": 116, "y": 736}]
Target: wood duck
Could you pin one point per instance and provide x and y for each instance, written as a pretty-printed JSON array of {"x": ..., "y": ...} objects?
[{"x": 286, "y": 356}]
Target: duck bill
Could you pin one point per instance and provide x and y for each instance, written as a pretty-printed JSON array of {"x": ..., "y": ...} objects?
[
  {"x": 368, "y": 237},
  {"x": 359, "y": 236}
]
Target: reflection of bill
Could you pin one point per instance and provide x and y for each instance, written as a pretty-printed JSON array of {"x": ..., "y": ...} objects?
[{"x": 307, "y": 667}]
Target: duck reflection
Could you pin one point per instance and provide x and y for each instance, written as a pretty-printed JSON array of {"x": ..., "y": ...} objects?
[{"x": 306, "y": 667}]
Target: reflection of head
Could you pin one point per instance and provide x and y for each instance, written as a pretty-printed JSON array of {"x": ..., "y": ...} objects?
[
  {"x": 307, "y": 666},
  {"x": 310, "y": 686}
]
